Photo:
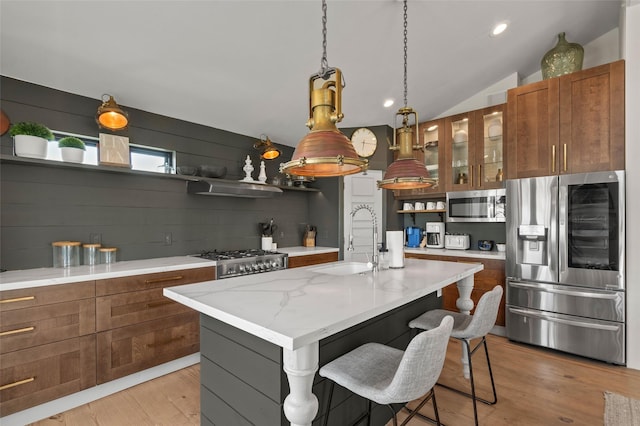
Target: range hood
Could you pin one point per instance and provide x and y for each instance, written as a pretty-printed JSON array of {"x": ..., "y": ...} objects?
[{"x": 231, "y": 188}]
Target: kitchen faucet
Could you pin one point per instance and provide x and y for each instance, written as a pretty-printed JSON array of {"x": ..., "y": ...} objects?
[{"x": 374, "y": 257}]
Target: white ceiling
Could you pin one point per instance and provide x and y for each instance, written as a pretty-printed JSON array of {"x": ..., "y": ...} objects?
[{"x": 244, "y": 66}]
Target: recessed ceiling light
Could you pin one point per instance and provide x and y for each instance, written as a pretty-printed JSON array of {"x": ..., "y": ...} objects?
[
  {"x": 499, "y": 29},
  {"x": 432, "y": 128},
  {"x": 388, "y": 103}
]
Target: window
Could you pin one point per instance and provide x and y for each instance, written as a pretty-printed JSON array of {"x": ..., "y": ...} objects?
[{"x": 144, "y": 158}]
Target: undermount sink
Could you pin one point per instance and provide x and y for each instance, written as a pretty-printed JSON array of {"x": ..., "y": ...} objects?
[{"x": 344, "y": 268}]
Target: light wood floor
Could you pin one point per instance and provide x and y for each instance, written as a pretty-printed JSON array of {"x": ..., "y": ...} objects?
[{"x": 535, "y": 387}]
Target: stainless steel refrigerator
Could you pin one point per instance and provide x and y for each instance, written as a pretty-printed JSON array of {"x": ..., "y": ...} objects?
[{"x": 565, "y": 263}]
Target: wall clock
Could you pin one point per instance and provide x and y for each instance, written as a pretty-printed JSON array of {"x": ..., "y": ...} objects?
[{"x": 364, "y": 142}]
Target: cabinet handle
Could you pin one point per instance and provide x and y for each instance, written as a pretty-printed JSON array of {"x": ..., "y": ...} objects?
[
  {"x": 166, "y": 342},
  {"x": 479, "y": 174},
  {"x": 553, "y": 159},
  {"x": 161, "y": 280},
  {"x": 18, "y": 299},
  {"x": 471, "y": 176},
  {"x": 159, "y": 303},
  {"x": 17, "y": 331},
  {"x": 564, "y": 157},
  {"x": 18, "y": 383}
]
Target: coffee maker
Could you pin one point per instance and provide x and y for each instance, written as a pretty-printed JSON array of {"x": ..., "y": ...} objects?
[{"x": 435, "y": 234}]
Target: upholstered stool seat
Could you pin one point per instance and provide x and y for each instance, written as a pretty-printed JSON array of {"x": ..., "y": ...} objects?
[
  {"x": 466, "y": 328},
  {"x": 387, "y": 375}
]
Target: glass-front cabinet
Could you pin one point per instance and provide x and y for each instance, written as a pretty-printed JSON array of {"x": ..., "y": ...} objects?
[
  {"x": 489, "y": 158},
  {"x": 459, "y": 136}
]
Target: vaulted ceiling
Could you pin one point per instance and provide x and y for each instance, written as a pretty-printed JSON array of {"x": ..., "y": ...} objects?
[{"x": 244, "y": 66}]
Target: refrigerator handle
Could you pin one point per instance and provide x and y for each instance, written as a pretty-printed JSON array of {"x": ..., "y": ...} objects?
[
  {"x": 589, "y": 294},
  {"x": 547, "y": 317}
]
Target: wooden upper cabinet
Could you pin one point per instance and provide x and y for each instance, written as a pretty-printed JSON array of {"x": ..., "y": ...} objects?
[
  {"x": 533, "y": 129},
  {"x": 592, "y": 119},
  {"x": 568, "y": 124}
]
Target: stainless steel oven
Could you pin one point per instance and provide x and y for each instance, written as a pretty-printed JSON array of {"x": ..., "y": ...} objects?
[
  {"x": 565, "y": 263},
  {"x": 476, "y": 206}
]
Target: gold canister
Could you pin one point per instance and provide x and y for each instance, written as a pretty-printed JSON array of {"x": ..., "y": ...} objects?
[{"x": 66, "y": 254}]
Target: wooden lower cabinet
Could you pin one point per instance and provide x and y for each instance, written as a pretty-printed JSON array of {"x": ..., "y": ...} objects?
[
  {"x": 127, "y": 350},
  {"x": 42, "y": 373},
  {"x": 484, "y": 281},
  {"x": 312, "y": 259}
]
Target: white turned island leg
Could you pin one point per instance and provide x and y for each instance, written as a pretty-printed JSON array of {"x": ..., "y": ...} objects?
[
  {"x": 301, "y": 405},
  {"x": 465, "y": 305}
]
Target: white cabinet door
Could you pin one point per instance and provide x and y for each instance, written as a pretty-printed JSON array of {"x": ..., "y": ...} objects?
[{"x": 360, "y": 189}]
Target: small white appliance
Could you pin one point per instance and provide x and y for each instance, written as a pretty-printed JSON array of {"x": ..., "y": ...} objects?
[
  {"x": 435, "y": 234},
  {"x": 456, "y": 241}
]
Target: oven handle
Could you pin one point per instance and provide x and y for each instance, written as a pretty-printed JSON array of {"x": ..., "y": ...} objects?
[
  {"x": 589, "y": 294},
  {"x": 550, "y": 318}
]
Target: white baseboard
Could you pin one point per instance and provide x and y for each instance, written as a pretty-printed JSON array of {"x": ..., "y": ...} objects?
[{"x": 68, "y": 402}]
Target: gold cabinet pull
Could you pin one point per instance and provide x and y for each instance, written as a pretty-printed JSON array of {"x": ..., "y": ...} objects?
[
  {"x": 17, "y": 331},
  {"x": 18, "y": 383},
  {"x": 18, "y": 299},
  {"x": 159, "y": 303},
  {"x": 479, "y": 174},
  {"x": 471, "y": 176},
  {"x": 553, "y": 158},
  {"x": 564, "y": 157},
  {"x": 161, "y": 280}
]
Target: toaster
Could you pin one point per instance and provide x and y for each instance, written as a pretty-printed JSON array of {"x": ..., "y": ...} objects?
[{"x": 456, "y": 241}]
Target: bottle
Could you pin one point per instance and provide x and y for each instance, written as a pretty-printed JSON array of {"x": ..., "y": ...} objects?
[
  {"x": 383, "y": 258},
  {"x": 499, "y": 176}
]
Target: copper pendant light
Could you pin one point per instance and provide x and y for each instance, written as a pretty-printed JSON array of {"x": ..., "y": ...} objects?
[
  {"x": 110, "y": 115},
  {"x": 406, "y": 172},
  {"x": 269, "y": 152},
  {"x": 325, "y": 151}
]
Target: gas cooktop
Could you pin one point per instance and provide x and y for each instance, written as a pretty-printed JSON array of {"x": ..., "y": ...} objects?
[{"x": 234, "y": 263}]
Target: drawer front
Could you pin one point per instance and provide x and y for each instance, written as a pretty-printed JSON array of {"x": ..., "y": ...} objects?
[
  {"x": 28, "y": 327},
  {"x": 127, "y": 350},
  {"x": 36, "y": 375},
  {"x": 38, "y": 296},
  {"x": 157, "y": 280},
  {"x": 120, "y": 310},
  {"x": 312, "y": 259}
]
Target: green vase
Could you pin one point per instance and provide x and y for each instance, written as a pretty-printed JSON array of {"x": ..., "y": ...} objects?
[{"x": 564, "y": 58}]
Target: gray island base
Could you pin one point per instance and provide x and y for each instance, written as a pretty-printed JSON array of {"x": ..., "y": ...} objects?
[{"x": 264, "y": 336}]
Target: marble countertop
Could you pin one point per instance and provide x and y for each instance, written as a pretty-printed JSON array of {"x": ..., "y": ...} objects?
[
  {"x": 27, "y": 278},
  {"x": 305, "y": 251},
  {"x": 295, "y": 307},
  {"x": 481, "y": 254}
]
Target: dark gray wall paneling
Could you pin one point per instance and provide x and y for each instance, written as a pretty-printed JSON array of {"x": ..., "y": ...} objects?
[{"x": 133, "y": 212}]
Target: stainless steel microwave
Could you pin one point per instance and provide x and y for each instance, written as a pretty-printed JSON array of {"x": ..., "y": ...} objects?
[{"x": 477, "y": 206}]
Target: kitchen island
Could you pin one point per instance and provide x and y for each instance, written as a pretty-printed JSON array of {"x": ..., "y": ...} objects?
[{"x": 293, "y": 310}]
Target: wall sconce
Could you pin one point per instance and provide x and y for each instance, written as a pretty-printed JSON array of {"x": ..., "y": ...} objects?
[
  {"x": 269, "y": 152},
  {"x": 110, "y": 115}
]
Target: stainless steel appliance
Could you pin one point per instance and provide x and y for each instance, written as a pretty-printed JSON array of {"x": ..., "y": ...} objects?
[
  {"x": 476, "y": 206},
  {"x": 565, "y": 263},
  {"x": 457, "y": 241},
  {"x": 435, "y": 234},
  {"x": 235, "y": 263}
]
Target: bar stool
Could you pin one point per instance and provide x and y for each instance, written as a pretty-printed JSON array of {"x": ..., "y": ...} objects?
[
  {"x": 465, "y": 328},
  {"x": 388, "y": 375}
]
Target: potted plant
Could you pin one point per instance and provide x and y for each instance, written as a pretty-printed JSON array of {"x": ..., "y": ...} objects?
[
  {"x": 30, "y": 139},
  {"x": 72, "y": 149}
]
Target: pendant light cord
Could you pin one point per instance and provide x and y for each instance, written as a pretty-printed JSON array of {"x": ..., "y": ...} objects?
[
  {"x": 324, "y": 64},
  {"x": 405, "y": 53}
]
